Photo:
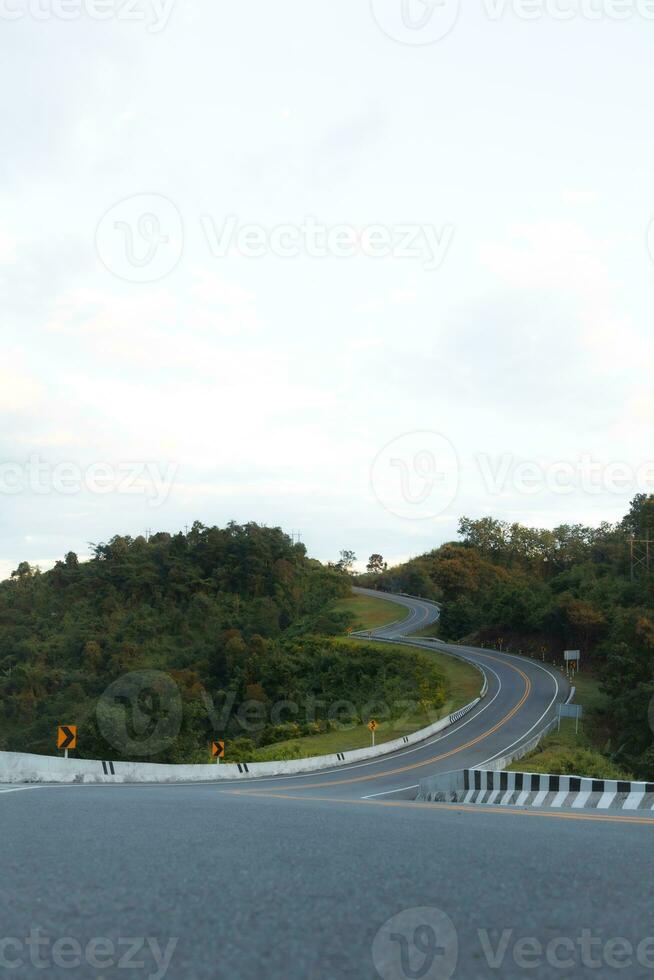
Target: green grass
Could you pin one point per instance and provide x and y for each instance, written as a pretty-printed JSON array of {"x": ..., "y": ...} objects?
[
  {"x": 371, "y": 613},
  {"x": 463, "y": 685},
  {"x": 566, "y": 753},
  {"x": 433, "y": 630}
]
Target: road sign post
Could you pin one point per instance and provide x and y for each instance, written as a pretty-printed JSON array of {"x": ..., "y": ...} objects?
[
  {"x": 575, "y": 711},
  {"x": 572, "y": 659},
  {"x": 218, "y": 750},
  {"x": 372, "y": 725},
  {"x": 67, "y": 738}
]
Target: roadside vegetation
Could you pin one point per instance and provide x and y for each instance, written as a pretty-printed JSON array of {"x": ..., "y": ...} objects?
[
  {"x": 458, "y": 685},
  {"x": 582, "y": 753}
]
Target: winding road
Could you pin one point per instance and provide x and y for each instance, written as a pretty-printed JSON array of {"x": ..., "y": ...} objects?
[{"x": 334, "y": 874}]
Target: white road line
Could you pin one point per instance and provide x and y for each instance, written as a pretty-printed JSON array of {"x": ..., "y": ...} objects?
[
  {"x": 504, "y": 751},
  {"x": 389, "y": 792},
  {"x": 20, "y": 789}
]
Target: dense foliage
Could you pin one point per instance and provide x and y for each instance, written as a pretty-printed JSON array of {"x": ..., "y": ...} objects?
[
  {"x": 568, "y": 588},
  {"x": 203, "y": 606}
]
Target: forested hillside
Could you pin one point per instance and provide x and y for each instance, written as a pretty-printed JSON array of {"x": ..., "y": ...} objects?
[
  {"x": 209, "y": 607},
  {"x": 568, "y": 588}
]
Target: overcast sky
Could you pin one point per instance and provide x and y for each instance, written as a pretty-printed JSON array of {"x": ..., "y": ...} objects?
[{"x": 338, "y": 266}]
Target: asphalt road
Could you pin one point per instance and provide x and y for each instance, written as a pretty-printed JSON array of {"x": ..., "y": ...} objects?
[{"x": 330, "y": 875}]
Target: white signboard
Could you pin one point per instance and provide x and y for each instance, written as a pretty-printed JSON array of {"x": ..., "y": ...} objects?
[
  {"x": 571, "y": 710},
  {"x": 572, "y": 655}
]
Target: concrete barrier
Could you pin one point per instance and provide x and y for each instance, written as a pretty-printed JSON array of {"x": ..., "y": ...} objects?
[{"x": 489, "y": 787}]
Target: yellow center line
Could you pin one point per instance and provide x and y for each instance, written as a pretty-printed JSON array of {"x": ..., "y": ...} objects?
[
  {"x": 460, "y": 808},
  {"x": 436, "y": 758}
]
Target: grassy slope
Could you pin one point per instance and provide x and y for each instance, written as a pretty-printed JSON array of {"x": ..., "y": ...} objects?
[
  {"x": 433, "y": 630},
  {"x": 565, "y": 752},
  {"x": 463, "y": 683},
  {"x": 371, "y": 613}
]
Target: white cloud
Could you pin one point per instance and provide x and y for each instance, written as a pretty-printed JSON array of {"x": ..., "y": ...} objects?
[{"x": 579, "y": 196}]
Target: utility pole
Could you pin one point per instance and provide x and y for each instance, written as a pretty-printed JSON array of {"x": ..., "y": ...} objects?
[{"x": 640, "y": 556}]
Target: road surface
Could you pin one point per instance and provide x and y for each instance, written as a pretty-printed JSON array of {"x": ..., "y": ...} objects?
[{"x": 329, "y": 875}]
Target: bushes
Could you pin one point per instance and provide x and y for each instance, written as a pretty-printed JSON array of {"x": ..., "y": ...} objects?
[{"x": 558, "y": 761}]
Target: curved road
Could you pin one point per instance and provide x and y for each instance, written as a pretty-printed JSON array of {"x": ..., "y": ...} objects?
[
  {"x": 521, "y": 699},
  {"x": 330, "y": 875}
]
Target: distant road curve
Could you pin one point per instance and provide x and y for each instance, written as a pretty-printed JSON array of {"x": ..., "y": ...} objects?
[{"x": 421, "y": 613}]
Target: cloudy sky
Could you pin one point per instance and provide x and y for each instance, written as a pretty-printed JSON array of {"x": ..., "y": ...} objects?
[{"x": 354, "y": 268}]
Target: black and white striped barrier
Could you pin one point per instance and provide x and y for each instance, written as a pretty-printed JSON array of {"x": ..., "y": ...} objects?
[
  {"x": 488, "y": 787},
  {"x": 462, "y": 712}
]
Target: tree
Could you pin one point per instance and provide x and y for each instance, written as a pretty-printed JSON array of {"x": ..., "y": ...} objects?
[
  {"x": 24, "y": 571},
  {"x": 376, "y": 563},
  {"x": 640, "y": 520},
  {"x": 346, "y": 561}
]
